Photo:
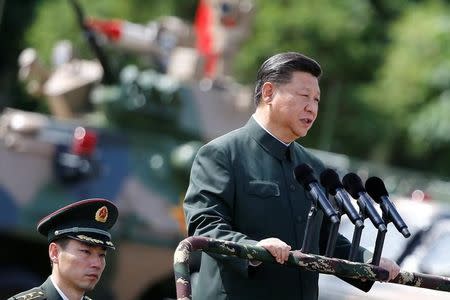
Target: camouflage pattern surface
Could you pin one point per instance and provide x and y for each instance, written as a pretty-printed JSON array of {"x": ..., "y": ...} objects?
[
  {"x": 434, "y": 282},
  {"x": 309, "y": 262}
]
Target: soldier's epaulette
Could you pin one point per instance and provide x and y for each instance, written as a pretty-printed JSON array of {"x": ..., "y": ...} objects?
[{"x": 33, "y": 294}]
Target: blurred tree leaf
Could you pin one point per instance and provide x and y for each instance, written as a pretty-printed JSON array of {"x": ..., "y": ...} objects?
[
  {"x": 431, "y": 126},
  {"x": 411, "y": 88},
  {"x": 420, "y": 44},
  {"x": 348, "y": 38}
]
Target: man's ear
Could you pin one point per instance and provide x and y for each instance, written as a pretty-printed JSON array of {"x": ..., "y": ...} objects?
[
  {"x": 53, "y": 251},
  {"x": 267, "y": 92}
]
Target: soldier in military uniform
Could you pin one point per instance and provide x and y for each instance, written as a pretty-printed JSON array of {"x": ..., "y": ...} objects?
[{"x": 78, "y": 236}]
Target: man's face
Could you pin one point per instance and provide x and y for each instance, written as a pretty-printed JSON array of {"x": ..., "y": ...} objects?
[
  {"x": 294, "y": 106},
  {"x": 79, "y": 265}
]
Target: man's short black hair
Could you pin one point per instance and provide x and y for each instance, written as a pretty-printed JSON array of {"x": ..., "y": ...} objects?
[
  {"x": 279, "y": 68},
  {"x": 62, "y": 242}
]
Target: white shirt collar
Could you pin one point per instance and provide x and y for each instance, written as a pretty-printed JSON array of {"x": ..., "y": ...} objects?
[
  {"x": 260, "y": 124},
  {"x": 59, "y": 291}
]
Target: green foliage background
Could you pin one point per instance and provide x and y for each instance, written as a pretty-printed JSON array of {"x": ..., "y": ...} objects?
[{"x": 386, "y": 83}]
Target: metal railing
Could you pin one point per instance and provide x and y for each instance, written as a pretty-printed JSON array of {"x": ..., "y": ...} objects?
[{"x": 311, "y": 262}]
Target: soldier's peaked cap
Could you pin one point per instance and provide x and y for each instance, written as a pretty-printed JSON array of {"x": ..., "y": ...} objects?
[{"x": 88, "y": 221}]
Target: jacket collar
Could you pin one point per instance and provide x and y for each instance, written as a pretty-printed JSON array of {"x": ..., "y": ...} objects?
[
  {"x": 50, "y": 290},
  {"x": 268, "y": 142}
]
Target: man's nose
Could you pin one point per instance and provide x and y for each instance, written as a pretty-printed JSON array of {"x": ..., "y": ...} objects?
[
  {"x": 97, "y": 261},
  {"x": 311, "y": 106}
]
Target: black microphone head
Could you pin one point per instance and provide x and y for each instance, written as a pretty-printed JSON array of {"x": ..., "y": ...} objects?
[
  {"x": 330, "y": 180},
  {"x": 304, "y": 175},
  {"x": 353, "y": 185},
  {"x": 376, "y": 189}
]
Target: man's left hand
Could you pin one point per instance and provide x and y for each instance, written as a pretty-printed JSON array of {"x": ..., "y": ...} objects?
[{"x": 391, "y": 266}]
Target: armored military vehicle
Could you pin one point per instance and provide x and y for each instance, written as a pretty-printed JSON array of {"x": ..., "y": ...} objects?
[{"x": 129, "y": 136}]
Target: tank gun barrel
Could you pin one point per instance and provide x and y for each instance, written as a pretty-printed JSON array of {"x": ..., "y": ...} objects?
[
  {"x": 309, "y": 262},
  {"x": 109, "y": 76}
]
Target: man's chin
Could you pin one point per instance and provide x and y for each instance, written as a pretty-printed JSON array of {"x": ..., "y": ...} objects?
[
  {"x": 89, "y": 286},
  {"x": 302, "y": 134}
]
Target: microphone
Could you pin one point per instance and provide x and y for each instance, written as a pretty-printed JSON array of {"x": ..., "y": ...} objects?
[
  {"x": 377, "y": 190},
  {"x": 354, "y": 187},
  {"x": 304, "y": 175},
  {"x": 330, "y": 180}
]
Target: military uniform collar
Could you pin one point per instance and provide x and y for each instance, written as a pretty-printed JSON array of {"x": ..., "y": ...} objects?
[
  {"x": 54, "y": 292},
  {"x": 272, "y": 145},
  {"x": 61, "y": 293},
  {"x": 49, "y": 289}
]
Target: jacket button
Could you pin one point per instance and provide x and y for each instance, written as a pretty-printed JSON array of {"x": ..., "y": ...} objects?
[
  {"x": 299, "y": 219},
  {"x": 292, "y": 187}
]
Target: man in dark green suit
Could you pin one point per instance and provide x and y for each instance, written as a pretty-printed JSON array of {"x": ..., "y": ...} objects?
[{"x": 242, "y": 189}]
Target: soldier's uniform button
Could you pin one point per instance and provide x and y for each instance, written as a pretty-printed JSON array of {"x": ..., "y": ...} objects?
[
  {"x": 292, "y": 187},
  {"x": 299, "y": 219}
]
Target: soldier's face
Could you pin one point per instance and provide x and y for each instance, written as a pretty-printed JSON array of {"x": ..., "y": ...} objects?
[
  {"x": 294, "y": 106},
  {"x": 79, "y": 265}
]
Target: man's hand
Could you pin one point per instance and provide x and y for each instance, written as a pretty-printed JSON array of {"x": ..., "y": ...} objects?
[
  {"x": 276, "y": 247},
  {"x": 391, "y": 266}
]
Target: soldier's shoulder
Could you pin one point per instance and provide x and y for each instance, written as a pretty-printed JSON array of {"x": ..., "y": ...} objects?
[
  {"x": 33, "y": 294},
  {"x": 87, "y": 298}
]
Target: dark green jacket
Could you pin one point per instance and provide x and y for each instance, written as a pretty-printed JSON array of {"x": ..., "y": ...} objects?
[
  {"x": 242, "y": 189},
  {"x": 46, "y": 291}
]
